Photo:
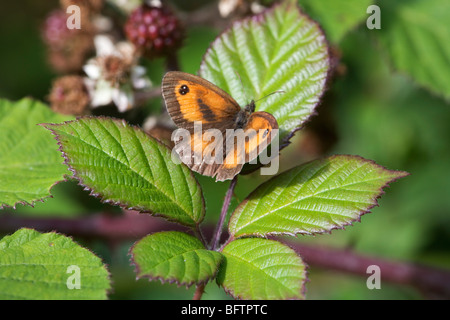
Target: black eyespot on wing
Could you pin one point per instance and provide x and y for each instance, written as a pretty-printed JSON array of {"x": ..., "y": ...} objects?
[{"x": 184, "y": 89}]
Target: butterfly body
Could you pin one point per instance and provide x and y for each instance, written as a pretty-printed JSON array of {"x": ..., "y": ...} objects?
[{"x": 193, "y": 101}]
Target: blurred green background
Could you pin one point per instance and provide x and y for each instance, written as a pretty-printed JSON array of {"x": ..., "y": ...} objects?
[{"x": 387, "y": 101}]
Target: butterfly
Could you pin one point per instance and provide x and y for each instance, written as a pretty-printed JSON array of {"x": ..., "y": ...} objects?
[{"x": 192, "y": 101}]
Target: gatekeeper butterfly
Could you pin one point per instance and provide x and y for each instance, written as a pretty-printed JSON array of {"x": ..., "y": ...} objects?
[{"x": 192, "y": 100}]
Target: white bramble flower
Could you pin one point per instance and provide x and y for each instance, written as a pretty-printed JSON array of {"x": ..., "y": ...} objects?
[
  {"x": 126, "y": 6},
  {"x": 113, "y": 75},
  {"x": 227, "y": 7}
]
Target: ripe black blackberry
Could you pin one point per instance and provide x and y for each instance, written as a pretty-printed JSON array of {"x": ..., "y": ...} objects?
[{"x": 155, "y": 31}]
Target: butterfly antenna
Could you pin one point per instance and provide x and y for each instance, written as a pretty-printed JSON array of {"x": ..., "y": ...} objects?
[
  {"x": 242, "y": 86},
  {"x": 278, "y": 91}
]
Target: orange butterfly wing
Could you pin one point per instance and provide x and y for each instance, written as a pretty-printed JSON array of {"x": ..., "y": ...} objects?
[
  {"x": 257, "y": 134},
  {"x": 190, "y": 98}
]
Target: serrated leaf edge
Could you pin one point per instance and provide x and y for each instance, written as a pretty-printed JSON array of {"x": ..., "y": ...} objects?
[
  {"x": 42, "y": 199},
  {"x": 99, "y": 195},
  {"x": 33, "y": 202},
  {"x": 303, "y": 286},
  {"x": 401, "y": 174},
  {"x": 110, "y": 289},
  {"x": 332, "y": 59},
  {"x": 167, "y": 280}
]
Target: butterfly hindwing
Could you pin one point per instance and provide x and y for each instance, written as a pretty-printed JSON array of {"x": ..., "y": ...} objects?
[
  {"x": 202, "y": 152},
  {"x": 248, "y": 143},
  {"x": 220, "y": 136}
]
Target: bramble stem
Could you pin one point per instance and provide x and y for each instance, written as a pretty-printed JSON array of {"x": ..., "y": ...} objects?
[
  {"x": 172, "y": 63},
  {"x": 223, "y": 214},
  {"x": 218, "y": 232},
  {"x": 430, "y": 280},
  {"x": 141, "y": 97},
  {"x": 200, "y": 289}
]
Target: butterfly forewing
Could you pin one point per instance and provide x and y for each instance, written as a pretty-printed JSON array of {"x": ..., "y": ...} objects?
[
  {"x": 220, "y": 136},
  {"x": 191, "y": 99}
]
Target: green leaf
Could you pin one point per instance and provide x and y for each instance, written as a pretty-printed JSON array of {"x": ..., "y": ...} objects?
[
  {"x": 36, "y": 265},
  {"x": 30, "y": 163},
  {"x": 175, "y": 257},
  {"x": 280, "y": 49},
  {"x": 416, "y": 36},
  {"x": 123, "y": 165},
  {"x": 313, "y": 198},
  {"x": 262, "y": 269},
  {"x": 337, "y": 17}
]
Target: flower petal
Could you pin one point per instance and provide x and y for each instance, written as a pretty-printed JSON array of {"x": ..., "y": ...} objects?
[
  {"x": 92, "y": 70},
  {"x": 138, "y": 71},
  {"x": 139, "y": 79},
  {"x": 104, "y": 46},
  {"x": 103, "y": 94},
  {"x": 126, "y": 50},
  {"x": 123, "y": 98}
]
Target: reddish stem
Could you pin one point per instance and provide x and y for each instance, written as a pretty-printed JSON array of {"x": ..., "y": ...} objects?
[
  {"x": 223, "y": 214},
  {"x": 431, "y": 281},
  {"x": 199, "y": 292},
  {"x": 435, "y": 282}
]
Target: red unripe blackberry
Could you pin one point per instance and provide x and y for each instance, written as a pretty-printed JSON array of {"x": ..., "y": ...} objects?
[
  {"x": 55, "y": 31},
  {"x": 66, "y": 48},
  {"x": 155, "y": 31}
]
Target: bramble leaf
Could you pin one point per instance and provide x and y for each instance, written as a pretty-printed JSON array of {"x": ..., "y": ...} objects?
[
  {"x": 123, "y": 165},
  {"x": 337, "y": 17},
  {"x": 313, "y": 198},
  {"x": 30, "y": 163},
  {"x": 174, "y": 257},
  {"x": 261, "y": 269},
  {"x": 415, "y": 35},
  {"x": 279, "y": 49},
  {"x": 39, "y": 266}
]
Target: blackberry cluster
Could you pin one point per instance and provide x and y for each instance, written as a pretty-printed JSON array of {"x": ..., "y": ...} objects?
[
  {"x": 69, "y": 95},
  {"x": 67, "y": 49},
  {"x": 155, "y": 31},
  {"x": 54, "y": 29}
]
